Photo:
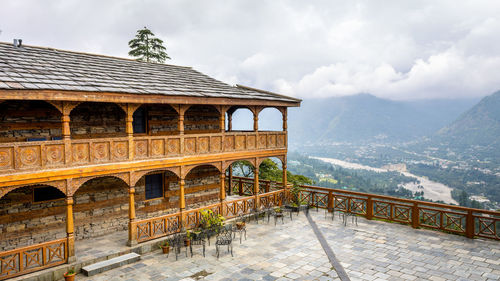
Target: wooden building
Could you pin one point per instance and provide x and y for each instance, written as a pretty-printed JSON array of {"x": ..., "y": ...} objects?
[{"x": 91, "y": 144}]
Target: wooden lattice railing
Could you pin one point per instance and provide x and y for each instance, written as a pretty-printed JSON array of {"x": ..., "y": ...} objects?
[
  {"x": 448, "y": 218},
  {"x": 32, "y": 258},
  {"x": 153, "y": 228},
  {"x": 244, "y": 186}
]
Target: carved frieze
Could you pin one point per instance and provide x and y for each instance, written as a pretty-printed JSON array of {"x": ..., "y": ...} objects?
[
  {"x": 141, "y": 148},
  {"x": 203, "y": 144},
  {"x": 100, "y": 151},
  {"x": 173, "y": 146},
  {"x": 240, "y": 142},
  {"x": 157, "y": 147},
  {"x": 190, "y": 145},
  {"x": 228, "y": 143},
  {"x": 215, "y": 144},
  {"x": 28, "y": 157},
  {"x": 120, "y": 150},
  {"x": 280, "y": 140},
  {"x": 262, "y": 141},
  {"x": 54, "y": 155},
  {"x": 271, "y": 139},
  {"x": 80, "y": 153},
  {"x": 6, "y": 157},
  {"x": 251, "y": 142}
]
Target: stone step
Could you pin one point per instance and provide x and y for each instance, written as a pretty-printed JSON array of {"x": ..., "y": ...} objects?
[{"x": 106, "y": 265}]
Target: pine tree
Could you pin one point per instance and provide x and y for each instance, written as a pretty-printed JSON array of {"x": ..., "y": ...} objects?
[{"x": 145, "y": 47}]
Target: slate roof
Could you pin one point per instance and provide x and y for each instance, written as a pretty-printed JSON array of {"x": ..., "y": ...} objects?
[{"x": 32, "y": 68}]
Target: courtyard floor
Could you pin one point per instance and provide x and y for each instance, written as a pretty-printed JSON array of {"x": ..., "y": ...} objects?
[{"x": 372, "y": 250}]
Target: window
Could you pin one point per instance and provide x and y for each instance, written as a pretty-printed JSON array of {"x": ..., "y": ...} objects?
[
  {"x": 46, "y": 193},
  {"x": 139, "y": 122},
  {"x": 154, "y": 186}
]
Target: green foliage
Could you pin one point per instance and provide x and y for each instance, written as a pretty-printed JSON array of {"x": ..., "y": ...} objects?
[
  {"x": 269, "y": 170},
  {"x": 243, "y": 169},
  {"x": 71, "y": 271},
  {"x": 145, "y": 47},
  {"x": 209, "y": 219}
]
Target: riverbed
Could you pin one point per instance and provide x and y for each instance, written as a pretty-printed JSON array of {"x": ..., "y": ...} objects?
[{"x": 432, "y": 190}]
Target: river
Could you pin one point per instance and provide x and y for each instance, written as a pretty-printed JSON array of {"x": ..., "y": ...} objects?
[{"x": 432, "y": 190}]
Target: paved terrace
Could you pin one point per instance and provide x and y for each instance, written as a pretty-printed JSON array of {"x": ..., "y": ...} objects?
[{"x": 373, "y": 250}]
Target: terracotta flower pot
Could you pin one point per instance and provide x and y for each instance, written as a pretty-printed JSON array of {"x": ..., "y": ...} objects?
[
  {"x": 165, "y": 249},
  {"x": 69, "y": 277}
]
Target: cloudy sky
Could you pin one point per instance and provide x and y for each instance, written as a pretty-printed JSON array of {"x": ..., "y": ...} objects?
[{"x": 308, "y": 49}]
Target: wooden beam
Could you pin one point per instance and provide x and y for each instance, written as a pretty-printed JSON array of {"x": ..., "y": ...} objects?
[{"x": 82, "y": 96}]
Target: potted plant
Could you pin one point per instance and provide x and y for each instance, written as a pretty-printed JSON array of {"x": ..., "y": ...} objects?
[
  {"x": 187, "y": 239},
  {"x": 165, "y": 246},
  {"x": 70, "y": 275}
]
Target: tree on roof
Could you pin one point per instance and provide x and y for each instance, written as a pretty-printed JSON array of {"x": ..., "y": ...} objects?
[{"x": 146, "y": 47}]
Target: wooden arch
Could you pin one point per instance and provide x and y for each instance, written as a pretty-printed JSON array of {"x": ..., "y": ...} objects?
[
  {"x": 187, "y": 169},
  {"x": 136, "y": 176},
  {"x": 59, "y": 185},
  {"x": 282, "y": 158},
  {"x": 228, "y": 163},
  {"x": 75, "y": 184}
]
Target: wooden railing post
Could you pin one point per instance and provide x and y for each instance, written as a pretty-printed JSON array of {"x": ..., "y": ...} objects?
[
  {"x": 240, "y": 186},
  {"x": 469, "y": 225},
  {"x": 132, "y": 227},
  {"x": 70, "y": 229},
  {"x": 415, "y": 216},
  {"x": 222, "y": 192},
  {"x": 256, "y": 186},
  {"x": 182, "y": 200},
  {"x": 369, "y": 208},
  {"x": 268, "y": 186},
  {"x": 284, "y": 179},
  {"x": 330, "y": 201},
  {"x": 230, "y": 180}
]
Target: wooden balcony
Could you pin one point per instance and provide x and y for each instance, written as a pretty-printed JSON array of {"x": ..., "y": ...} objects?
[{"x": 46, "y": 155}]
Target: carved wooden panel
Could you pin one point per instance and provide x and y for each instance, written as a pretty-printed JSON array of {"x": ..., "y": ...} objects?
[
  {"x": 173, "y": 146},
  {"x": 280, "y": 140},
  {"x": 203, "y": 144},
  {"x": 28, "y": 157},
  {"x": 240, "y": 142},
  {"x": 120, "y": 150},
  {"x": 100, "y": 151},
  {"x": 80, "y": 152},
  {"x": 141, "y": 148},
  {"x": 251, "y": 142},
  {"x": 262, "y": 141},
  {"x": 215, "y": 144},
  {"x": 158, "y": 147},
  {"x": 271, "y": 141},
  {"x": 53, "y": 155},
  {"x": 6, "y": 155},
  {"x": 228, "y": 143},
  {"x": 190, "y": 145}
]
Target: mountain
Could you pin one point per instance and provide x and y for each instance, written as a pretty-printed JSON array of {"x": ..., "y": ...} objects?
[
  {"x": 477, "y": 129},
  {"x": 365, "y": 118}
]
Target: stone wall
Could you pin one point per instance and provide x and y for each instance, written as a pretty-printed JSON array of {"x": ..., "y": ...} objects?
[
  {"x": 24, "y": 222},
  {"x": 162, "y": 119},
  {"x": 97, "y": 120},
  {"x": 201, "y": 118},
  {"x": 20, "y": 120},
  {"x": 101, "y": 207}
]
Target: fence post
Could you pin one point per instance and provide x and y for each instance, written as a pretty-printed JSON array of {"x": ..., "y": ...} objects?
[
  {"x": 240, "y": 187},
  {"x": 369, "y": 208},
  {"x": 415, "y": 216},
  {"x": 469, "y": 225},
  {"x": 268, "y": 184},
  {"x": 330, "y": 201}
]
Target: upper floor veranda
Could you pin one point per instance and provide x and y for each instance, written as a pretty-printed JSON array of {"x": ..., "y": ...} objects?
[{"x": 62, "y": 110}]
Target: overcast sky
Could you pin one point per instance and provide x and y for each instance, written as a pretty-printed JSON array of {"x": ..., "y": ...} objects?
[{"x": 308, "y": 49}]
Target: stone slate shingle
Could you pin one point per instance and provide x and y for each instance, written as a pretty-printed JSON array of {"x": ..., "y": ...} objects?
[{"x": 37, "y": 68}]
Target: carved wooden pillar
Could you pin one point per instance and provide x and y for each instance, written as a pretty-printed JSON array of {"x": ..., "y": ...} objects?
[
  {"x": 255, "y": 121},
  {"x": 285, "y": 119},
  {"x": 222, "y": 119},
  {"x": 230, "y": 181},
  {"x": 284, "y": 179},
  {"x": 132, "y": 227},
  {"x": 182, "y": 200},
  {"x": 130, "y": 130},
  {"x": 229, "y": 121},
  {"x": 66, "y": 129},
  {"x": 256, "y": 186},
  {"x": 180, "y": 125},
  {"x": 70, "y": 229},
  {"x": 222, "y": 193}
]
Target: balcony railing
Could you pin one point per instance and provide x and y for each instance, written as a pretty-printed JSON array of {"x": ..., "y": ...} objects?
[
  {"x": 25, "y": 156},
  {"x": 33, "y": 258},
  {"x": 153, "y": 228}
]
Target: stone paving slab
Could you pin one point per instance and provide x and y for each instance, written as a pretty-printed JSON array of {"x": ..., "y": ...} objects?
[{"x": 373, "y": 250}]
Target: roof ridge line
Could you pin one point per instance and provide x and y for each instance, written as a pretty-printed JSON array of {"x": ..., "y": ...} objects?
[
  {"x": 93, "y": 54},
  {"x": 266, "y": 92}
]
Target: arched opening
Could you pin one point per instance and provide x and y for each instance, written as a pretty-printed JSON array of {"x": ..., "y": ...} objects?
[
  {"x": 101, "y": 207},
  {"x": 270, "y": 119},
  {"x": 239, "y": 119},
  {"x": 31, "y": 215},
  {"x": 200, "y": 119},
  {"x": 155, "y": 119},
  {"x": 97, "y": 120},
  {"x": 29, "y": 121},
  {"x": 239, "y": 178},
  {"x": 202, "y": 186},
  {"x": 157, "y": 194}
]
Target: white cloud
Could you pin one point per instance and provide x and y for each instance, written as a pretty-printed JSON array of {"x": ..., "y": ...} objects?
[{"x": 398, "y": 50}]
